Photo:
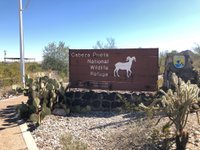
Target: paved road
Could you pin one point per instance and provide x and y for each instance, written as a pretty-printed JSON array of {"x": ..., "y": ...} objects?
[{"x": 10, "y": 134}]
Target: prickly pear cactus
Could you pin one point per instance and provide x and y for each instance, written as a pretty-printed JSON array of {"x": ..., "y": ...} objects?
[{"x": 43, "y": 94}]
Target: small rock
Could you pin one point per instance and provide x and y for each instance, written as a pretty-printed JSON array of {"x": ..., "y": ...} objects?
[
  {"x": 196, "y": 141},
  {"x": 195, "y": 106},
  {"x": 196, "y": 133},
  {"x": 60, "y": 112}
]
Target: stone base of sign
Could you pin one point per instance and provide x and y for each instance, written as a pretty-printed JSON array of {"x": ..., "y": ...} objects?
[{"x": 106, "y": 101}]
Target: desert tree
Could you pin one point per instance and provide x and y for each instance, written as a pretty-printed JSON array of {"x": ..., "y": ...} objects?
[
  {"x": 197, "y": 48},
  {"x": 110, "y": 44},
  {"x": 55, "y": 57}
]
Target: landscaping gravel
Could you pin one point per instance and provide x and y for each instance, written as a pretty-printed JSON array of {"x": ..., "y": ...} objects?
[
  {"x": 94, "y": 129},
  {"x": 105, "y": 130}
]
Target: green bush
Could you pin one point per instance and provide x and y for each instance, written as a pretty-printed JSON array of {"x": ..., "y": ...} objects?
[
  {"x": 33, "y": 67},
  {"x": 9, "y": 74}
]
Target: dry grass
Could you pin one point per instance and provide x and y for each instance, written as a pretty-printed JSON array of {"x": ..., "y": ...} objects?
[
  {"x": 160, "y": 81},
  {"x": 5, "y": 90},
  {"x": 139, "y": 135},
  {"x": 69, "y": 143}
]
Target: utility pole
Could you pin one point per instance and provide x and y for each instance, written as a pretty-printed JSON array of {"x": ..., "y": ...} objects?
[
  {"x": 22, "y": 65},
  {"x": 4, "y": 56}
]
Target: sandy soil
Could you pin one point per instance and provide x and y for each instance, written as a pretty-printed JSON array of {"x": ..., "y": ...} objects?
[{"x": 10, "y": 133}]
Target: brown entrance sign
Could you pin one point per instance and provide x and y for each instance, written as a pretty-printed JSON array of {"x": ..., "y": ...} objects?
[{"x": 114, "y": 69}]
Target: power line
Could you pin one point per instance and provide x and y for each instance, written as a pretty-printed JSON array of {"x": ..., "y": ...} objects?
[{"x": 27, "y": 4}]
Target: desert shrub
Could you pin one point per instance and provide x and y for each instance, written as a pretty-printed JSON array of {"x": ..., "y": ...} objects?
[
  {"x": 196, "y": 62},
  {"x": 33, "y": 67},
  {"x": 160, "y": 82},
  {"x": 162, "y": 59},
  {"x": 127, "y": 106},
  {"x": 9, "y": 74},
  {"x": 69, "y": 143}
]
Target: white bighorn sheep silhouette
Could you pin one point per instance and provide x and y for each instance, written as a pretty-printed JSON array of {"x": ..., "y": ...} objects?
[{"x": 124, "y": 66}]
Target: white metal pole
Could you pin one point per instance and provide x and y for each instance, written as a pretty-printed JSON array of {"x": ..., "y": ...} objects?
[{"x": 22, "y": 66}]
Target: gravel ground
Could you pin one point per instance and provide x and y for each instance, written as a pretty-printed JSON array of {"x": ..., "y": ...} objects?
[
  {"x": 94, "y": 129},
  {"x": 105, "y": 130}
]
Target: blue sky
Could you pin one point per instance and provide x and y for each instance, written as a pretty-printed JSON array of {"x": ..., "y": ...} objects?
[{"x": 168, "y": 25}]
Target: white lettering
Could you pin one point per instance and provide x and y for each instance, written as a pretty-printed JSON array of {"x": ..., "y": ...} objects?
[
  {"x": 98, "y": 74},
  {"x": 94, "y": 61},
  {"x": 96, "y": 67},
  {"x": 80, "y": 55},
  {"x": 100, "y": 55}
]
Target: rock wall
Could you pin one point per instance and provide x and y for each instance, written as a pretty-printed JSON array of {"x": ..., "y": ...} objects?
[{"x": 106, "y": 101}]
